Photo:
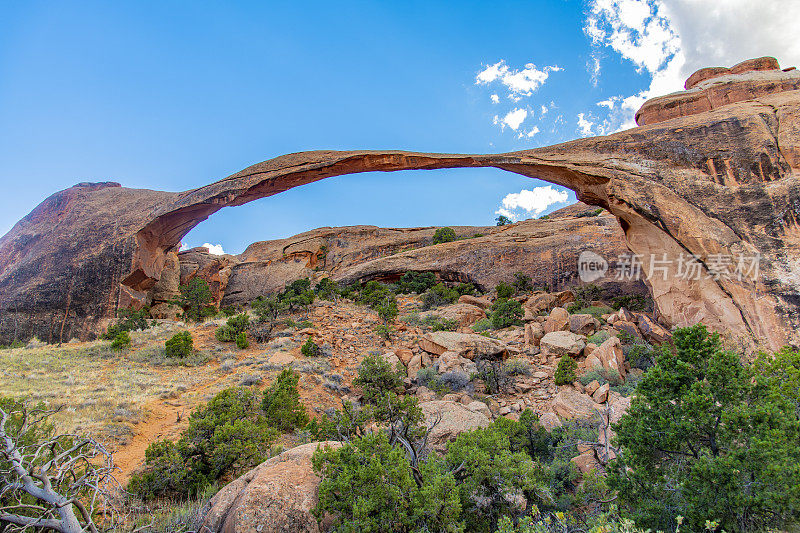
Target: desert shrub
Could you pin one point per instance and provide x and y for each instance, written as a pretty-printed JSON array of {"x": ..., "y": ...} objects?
[
  {"x": 491, "y": 475},
  {"x": 455, "y": 381},
  {"x": 387, "y": 311},
  {"x": 297, "y": 295},
  {"x": 504, "y": 290},
  {"x": 179, "y": 345},
  {"x": 597, "y": 311},
  {"x": 781, "y": 372},
  {"x": 195, "y": 299},
  {"x": 384, "y": 331},
  {"x": 416, "y": 282},
  {"x": 639, "y": 352},
  {"x": 374, "y": 484},
  {"x": 506, "y": 313},
  {"x": 241, "y": 340},
  {"x": 438, "y": 295},
  {"x": 281, "y": 402},
  {"x": 602, "y": 376},
  {"x": 585, "y": 295},
  {"x": 327, "y": 289},
  {"x": 633, "y": 302},
  {"x": 483, "y": 324},
  {"x": 370, "y": 486},
  {"x": 442, "y": 235},
  {"x": 310, "y": 349},
  {"x": 522, "y": 283},
  {"x": 130, "y": 321},
  {"x": 598, "y": 338},
  {"x": 466, "y": 288},
  {"x": 503, "y": 220},
  {"x": 232, "y": 328},
  {"x": 122, "y": 340},
  {"x": 705, "y": 437},
  {"x": 437, "y": 323},
  {"x": 429, "y": 377},
  {"x": 376, "y": 377},
  {"x": 565, "y": 371},
  {"x": 267, "y": 310},
  {"x": 517, "y": 367},
  {"x": 225, "y": 437}
]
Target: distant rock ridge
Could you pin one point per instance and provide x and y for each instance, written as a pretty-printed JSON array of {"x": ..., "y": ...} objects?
[{"x": 710, "y": 174}]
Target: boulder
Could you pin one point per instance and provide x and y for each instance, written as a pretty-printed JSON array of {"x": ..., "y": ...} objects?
[
  {"x": 404, "y": 355},
  {"x": 601, "y": 393},
  {"x": 586, "y": 462},
  {"x": 651, "y": 330},
  {"x": 592, "y": 386},
  {"x": 465, "y": 314},
  {"x": 557, "y": 321},
  {"x": 480, "y": 407},
  {"x": 414, "y": 366},
  {"x": 562, "y": 343},
  {"x": 610, "y": 355},
  {"x": 276, "y": 496},
  {"x": 571, "y": 404},
  {"x": 469, "y": 345},
  {"x": 628, "y": 327},
  {"x": 393, "y": 360},
  {"x": 549, "y": 421},
  {"x": 583, "y": 324},
  {"x": 451, "y": 419},
  {"x": 483, "y": 303},
  {"x": 533, "y": 333},
  {"x": 452, "y": 362}
]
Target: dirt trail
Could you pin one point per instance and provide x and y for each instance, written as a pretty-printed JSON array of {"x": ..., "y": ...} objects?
[{"x": 162, "y": 422}]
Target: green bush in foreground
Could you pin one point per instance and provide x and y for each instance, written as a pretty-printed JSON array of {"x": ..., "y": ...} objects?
[
  {"x": 707, "y": 438},
  {"x": 179, "y": 345},
  {"x": 565, "y": 371},
  {"x": 376, "y": 377},
  {"x": 227, "y": 436}
]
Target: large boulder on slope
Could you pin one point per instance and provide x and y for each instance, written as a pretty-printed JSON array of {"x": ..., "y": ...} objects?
[{"x": 275, "y": 497}]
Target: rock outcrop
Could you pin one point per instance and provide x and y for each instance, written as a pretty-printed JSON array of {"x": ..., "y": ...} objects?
[
  {"x": 711, "y": 175},
  {"x": 277, "y": 496}
]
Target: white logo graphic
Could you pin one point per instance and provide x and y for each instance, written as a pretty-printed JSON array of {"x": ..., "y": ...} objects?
[{"x": 591, "y": 266}]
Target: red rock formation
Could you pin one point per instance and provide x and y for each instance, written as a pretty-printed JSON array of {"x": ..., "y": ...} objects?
[{"x": 713, "y": 173}]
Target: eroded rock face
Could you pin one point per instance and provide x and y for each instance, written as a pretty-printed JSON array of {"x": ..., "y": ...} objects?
[
  {"x": 716, "y": 180},
  {"x": 546, "y": 250}
]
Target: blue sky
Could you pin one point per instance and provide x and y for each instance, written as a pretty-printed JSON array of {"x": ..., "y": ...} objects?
[{"x": 175, "y": 95}]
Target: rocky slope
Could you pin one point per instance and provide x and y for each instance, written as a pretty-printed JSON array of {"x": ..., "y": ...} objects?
[{"x": 712, "y": 172}]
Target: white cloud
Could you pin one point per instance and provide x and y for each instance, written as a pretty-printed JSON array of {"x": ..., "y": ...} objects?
[
  {"x": 670, "y": 39},
  {"x": 544, "y": 110},
  {"x": 495, "y": 99},
  {"x": 585, "y": 126},
  {"x": 519, "y": 83},
  {"x": 531, "y": 202},
  {"x": 214, "y": 249},
  {"x": 514, "y": 118}
]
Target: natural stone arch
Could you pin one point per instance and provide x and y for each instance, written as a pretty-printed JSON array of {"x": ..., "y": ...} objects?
[{"x": 713, "y": 172}]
